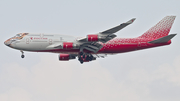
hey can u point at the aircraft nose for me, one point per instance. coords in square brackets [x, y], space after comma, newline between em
[7, 42]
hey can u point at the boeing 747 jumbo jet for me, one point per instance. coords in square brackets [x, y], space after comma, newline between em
[93, 45]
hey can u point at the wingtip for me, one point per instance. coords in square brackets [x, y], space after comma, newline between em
[132, 20]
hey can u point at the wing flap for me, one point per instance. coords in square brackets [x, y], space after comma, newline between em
[99, 55]
[90, 49]
[93, 47]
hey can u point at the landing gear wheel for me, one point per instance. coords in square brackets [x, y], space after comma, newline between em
[81, 62]
[80, 59]
[22, 56]
[90, 58]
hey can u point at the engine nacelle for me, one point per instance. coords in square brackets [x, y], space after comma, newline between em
[66, 57]
[69, 45]
[92, 37]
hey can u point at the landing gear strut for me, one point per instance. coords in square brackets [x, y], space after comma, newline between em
[80, 60]
[81, 55]
[22, 56]
[89, 57]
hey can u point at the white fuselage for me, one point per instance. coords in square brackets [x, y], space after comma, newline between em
[38, 42]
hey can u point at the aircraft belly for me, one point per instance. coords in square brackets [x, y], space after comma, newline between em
[32, 46]
[119, 48]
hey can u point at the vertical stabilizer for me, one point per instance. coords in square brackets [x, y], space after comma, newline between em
[161, 29]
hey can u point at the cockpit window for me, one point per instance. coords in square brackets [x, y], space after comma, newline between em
[19, 36]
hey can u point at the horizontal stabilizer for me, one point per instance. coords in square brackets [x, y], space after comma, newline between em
[163, 39]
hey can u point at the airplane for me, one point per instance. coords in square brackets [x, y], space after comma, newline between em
[93, 45]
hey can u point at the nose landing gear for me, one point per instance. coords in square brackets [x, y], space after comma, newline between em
[22, 56]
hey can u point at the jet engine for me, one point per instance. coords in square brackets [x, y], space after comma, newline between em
[69, 45]
[92, 37]
[66, 57]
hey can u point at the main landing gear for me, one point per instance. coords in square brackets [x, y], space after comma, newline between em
[22, 56]
[83, 57]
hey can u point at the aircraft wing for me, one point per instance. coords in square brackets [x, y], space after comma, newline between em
[92, 42]
[117, 28]
[107, 35]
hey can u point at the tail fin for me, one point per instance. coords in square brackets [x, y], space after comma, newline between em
[161, 29]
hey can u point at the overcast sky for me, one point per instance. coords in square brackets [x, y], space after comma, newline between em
[146, 75]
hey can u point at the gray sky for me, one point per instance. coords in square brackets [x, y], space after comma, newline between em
[151, 74]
